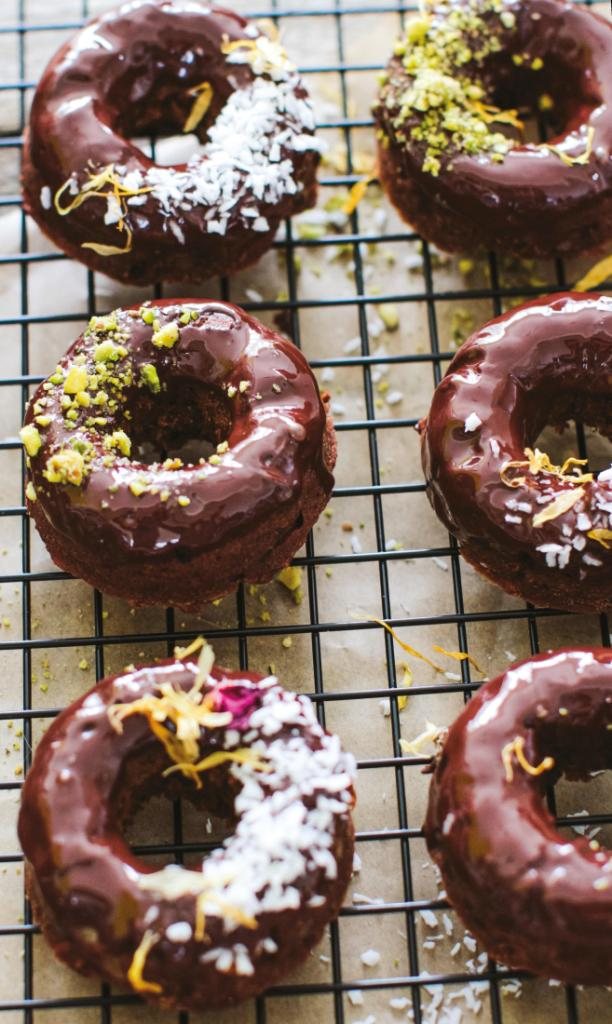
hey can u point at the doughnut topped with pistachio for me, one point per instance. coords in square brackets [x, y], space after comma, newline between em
[450, 124]
[177, 449]
[167, 66]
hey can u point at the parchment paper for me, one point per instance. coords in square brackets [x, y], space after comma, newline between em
[351, 650]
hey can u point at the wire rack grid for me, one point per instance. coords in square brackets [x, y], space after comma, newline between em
[473, 617]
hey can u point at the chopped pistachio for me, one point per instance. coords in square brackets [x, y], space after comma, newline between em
[164, 495]
[214, 460]
[119, 439]
[150, 377]
[287, 642]
[166, 336]
[147, 315]
[76, 380]
[83, 664]
[103, 324]
[185, 318]
[537, 64]
[243, 386]
[108, 352]
[222, 447]
[389, 315]
[183, 500]
[30, 439]
[30, 491]
[545, 102]
[231, 391]
[83, 399]
[290, 577]
[65, 467]
[138, 487]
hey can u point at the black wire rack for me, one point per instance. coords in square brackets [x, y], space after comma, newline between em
[309, 627]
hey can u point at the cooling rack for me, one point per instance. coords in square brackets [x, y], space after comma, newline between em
[379, 315]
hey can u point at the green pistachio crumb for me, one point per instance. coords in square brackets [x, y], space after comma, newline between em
[147, 315]
[231, 391]
[164, 495]
[244, 386]
[150, 377]
[437, 96]
[103, 324]
[166, 336]
[30, 491]
[138, 487]
[120, 440]
[108, 352]
[30, 439]
[214, 460]
[76, 380]
[222, 447]
[65, 467]
[183, 500]
[185, 318]
[389, 315]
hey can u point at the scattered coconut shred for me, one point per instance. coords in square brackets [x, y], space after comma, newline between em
[246, 164]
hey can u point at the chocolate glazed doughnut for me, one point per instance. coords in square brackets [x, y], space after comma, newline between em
[444, 99]
[538, 530]
[155, 66]
[112, 500]
[534, 899]
[249, 752]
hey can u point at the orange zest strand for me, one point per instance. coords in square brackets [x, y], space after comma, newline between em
[598, 274]
[357, 193]
[602, 536]
[191, 770]
[516, 748]
[459, 656]
[404, 646]
[134, 974]
[203, 94]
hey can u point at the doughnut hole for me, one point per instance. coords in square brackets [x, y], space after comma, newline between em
[155, 94]
[577, 737]
[186, 420]
[139, 819]
[552, 99]
[550, 428]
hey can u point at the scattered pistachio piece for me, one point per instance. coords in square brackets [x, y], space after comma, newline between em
[30, 439]
[166, 336]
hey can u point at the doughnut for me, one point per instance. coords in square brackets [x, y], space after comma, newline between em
[534, 899]
[161, 66]
[449, 91]
[111, 497]
[238, 746]
[536, 529]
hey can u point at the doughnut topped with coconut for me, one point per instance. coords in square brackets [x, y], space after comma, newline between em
[239, 746]
[160, 66]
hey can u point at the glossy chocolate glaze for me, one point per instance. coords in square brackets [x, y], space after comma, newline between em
[541, 363]
[248, 379]
[130, 73]
[535, 899]
[84, 879]
[533, 202]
